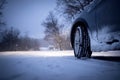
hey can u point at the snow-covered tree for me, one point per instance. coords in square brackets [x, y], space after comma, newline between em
[71, 8]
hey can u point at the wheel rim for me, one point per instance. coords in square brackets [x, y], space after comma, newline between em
[78, 41]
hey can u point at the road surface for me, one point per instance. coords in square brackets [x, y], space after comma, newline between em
[56, 65]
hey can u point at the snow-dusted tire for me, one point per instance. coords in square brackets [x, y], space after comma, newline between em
[81, 43]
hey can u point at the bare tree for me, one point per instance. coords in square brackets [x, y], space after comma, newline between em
[70, 8]
[53, 30]
[51, 25]
[2, 23]
[2, 3]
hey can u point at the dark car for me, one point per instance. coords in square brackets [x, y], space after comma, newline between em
[94, 17]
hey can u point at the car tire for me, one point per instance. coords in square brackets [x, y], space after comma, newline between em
[81, 43]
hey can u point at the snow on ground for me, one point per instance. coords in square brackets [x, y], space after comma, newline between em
[55, 65]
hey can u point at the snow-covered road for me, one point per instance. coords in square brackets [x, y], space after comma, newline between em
[55, 65]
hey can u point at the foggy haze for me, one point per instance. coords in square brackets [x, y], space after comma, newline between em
[27, 15]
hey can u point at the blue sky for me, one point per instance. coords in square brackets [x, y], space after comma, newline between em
[27, 15]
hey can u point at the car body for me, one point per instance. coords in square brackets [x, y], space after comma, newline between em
[97, 16]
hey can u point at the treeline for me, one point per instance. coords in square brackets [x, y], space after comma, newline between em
[10, 38]
[12, 41]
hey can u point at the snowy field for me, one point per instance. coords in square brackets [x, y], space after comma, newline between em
[57, 65]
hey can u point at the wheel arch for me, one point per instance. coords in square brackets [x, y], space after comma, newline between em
[77, 22]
